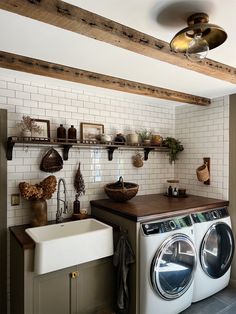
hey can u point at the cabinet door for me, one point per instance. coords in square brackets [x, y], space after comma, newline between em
[95, 291]
[55, 293]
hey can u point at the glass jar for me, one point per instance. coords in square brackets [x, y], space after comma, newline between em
[172, 187]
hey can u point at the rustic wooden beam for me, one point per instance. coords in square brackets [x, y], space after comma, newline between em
[62, 72]
[75, 19]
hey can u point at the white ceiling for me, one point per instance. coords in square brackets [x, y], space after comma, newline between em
[161, 19]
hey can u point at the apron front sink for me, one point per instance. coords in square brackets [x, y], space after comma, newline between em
[72, 243]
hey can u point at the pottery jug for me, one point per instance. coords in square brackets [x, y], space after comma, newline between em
[132, 138]
[157, 139]
[120, 139]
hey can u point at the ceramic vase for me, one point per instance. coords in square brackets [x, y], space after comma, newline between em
[39, 213]
[26, 134]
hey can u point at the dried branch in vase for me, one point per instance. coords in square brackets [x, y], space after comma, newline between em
[28, 123]
[79, 182]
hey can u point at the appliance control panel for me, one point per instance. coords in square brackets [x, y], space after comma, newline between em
[211, 215]
[166, 225]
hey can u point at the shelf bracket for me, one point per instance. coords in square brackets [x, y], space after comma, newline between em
[147, 150]
[66, 149]
[110, 151]
[10, 145]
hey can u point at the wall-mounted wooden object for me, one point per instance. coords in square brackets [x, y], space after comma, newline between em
[72, 18]
[207, 161]
[63, 72]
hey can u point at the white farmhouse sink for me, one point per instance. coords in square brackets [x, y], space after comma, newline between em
[71, 243]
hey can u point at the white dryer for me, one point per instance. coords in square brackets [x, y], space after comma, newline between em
[214, 243]
[167, 265]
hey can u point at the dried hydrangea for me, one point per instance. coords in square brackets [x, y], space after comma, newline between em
[43, 190]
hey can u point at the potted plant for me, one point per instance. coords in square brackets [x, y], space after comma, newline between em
[27, 125]
[174, 146]
[145, 136]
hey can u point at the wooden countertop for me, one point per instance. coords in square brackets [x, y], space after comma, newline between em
[22, 237]
[140, 209]
[156, 206]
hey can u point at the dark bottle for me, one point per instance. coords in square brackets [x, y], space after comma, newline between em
[61, 133]
[76, 205]
[72, 133]
[169, 191]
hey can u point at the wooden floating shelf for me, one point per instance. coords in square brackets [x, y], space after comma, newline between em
[67, 145]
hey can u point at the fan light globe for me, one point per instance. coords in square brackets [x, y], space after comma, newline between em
[198, 38]
[198, 48]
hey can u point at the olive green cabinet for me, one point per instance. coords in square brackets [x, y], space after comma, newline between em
[55, 292]
[83, 289]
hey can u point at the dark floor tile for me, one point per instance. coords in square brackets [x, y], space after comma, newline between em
[228, 295]
[230, 310]
[223, 302]
[207, 306]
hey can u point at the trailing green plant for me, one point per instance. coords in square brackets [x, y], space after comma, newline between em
[174, 146]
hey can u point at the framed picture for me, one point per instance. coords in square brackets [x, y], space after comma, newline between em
[45, 129]
[89, 132]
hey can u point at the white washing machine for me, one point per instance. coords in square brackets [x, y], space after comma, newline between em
[214, 243]
[167, 265]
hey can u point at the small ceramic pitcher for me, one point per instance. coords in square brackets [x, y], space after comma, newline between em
[157, 139]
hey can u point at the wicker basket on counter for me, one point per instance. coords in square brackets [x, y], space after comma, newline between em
[121, 191]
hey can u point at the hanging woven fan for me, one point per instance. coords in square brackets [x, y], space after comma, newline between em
[52, 161]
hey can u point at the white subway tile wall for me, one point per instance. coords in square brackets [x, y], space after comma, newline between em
[204, 132]
[70, 106]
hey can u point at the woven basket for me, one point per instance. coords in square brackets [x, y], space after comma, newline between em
[52, 161]
[121, 194]
[203, 173]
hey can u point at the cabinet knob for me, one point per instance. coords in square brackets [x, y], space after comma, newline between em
[74, 274]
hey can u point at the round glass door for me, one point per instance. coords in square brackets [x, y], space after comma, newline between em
[217, 249]
[173, 267]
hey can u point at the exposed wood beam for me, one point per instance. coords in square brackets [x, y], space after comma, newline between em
[62, 72]
[72, 18]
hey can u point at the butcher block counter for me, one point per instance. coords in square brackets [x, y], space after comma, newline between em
[139, 209]
[156, 206]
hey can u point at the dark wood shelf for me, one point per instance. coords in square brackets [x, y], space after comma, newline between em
[68, 144]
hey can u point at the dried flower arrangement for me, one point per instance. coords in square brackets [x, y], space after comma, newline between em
[144, 134]
[79, 183]
[29, 124]
[43, 190]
